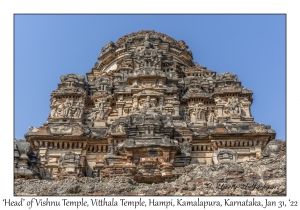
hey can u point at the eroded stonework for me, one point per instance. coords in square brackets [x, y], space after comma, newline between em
[145, 112]
[226, 156]
[26, 161]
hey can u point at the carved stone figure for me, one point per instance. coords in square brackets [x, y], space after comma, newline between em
[90, 116]
[53, 102]
[233, 106]
[211, 119]
[200, 111]
[53, 112]
[78, 108]
[61, 110]
[68, 108]
[120, 129]
[169, 121]
[152, 103]
[147, 103]
[101, 112]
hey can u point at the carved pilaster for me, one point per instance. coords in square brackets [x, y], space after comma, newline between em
[84, 145]
[220, 109]
[42, 153]
[120, 106]
[176, 107]
[250, 143]
[111, 146]
[60, 144]
[36, 144]
[246, 108]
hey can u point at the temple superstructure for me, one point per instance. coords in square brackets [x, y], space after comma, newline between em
[145, 111]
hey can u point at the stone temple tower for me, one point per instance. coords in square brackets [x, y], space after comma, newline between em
[146, 110]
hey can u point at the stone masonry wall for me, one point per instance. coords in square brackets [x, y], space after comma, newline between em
[265, 177]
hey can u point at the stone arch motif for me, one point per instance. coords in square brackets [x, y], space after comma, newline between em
[222, 156]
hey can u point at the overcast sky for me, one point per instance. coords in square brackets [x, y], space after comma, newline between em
[48, 46]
